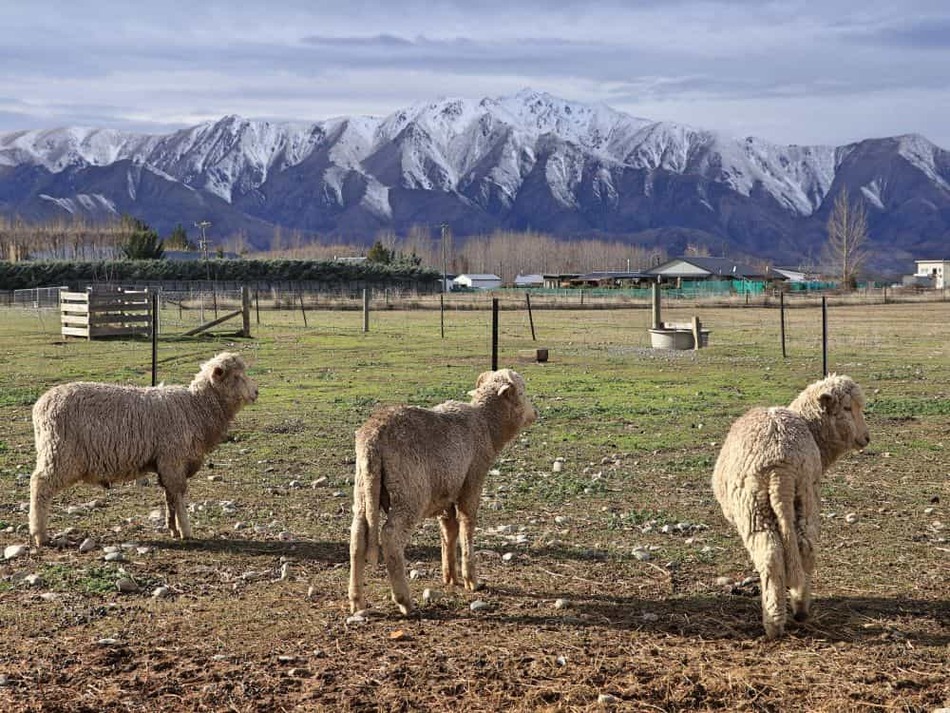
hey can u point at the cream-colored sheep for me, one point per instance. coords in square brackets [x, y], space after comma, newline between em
[105, 433]
[416, 463]
[767, 480]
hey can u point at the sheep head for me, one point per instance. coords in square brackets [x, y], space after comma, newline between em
[836, 403]
[508, 385]
[227, 373]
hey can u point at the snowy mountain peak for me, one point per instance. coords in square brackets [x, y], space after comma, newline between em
[526, 160]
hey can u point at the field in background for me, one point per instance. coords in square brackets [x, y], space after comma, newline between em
[256, 619]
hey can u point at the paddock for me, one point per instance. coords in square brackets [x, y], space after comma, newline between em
[611, 579]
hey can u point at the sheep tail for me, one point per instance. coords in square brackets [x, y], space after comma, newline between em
[369, 484]
[783, 506]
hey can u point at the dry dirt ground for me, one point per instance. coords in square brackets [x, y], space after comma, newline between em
[256, 621]
[255, 615]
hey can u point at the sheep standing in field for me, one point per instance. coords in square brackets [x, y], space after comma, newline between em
[767, 479]
[416, 463]
[104, 433]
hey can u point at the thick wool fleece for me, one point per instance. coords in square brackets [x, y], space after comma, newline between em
[105, 433]
[416, 463]
[767, 481]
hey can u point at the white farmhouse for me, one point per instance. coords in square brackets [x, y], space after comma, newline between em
[486, 281]
[937, 270]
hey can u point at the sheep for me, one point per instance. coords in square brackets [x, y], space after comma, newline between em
[414, 463]
[106, 433]
[767, 479]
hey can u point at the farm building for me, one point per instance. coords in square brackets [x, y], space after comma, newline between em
[708, 268]
[938, 271]
[478, 281]
[556, 281]
[611, 279]
[529, 281]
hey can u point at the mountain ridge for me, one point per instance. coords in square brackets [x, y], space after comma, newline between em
[525, 161]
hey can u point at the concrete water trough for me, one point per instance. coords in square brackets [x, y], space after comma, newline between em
[677, 336]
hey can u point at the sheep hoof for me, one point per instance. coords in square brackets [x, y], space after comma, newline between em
[800, 616]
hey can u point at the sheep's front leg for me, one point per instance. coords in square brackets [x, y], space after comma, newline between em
[449, 528]
[359, 532]
[467, 517]
[41, 496]
[394, 538]
[176, 510]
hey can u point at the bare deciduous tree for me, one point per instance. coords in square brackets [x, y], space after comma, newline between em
[847, 235]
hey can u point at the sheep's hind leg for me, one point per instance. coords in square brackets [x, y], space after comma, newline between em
[449, 528]
[394, 537]
[768, 556]
[807, 539]
[359, 531]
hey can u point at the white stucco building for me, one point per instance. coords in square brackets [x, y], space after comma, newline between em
[936, 270]
[484, 281]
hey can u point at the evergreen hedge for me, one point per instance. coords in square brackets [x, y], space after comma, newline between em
[75, 275]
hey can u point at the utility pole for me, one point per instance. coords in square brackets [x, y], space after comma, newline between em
[203, 244]
[203, 241]
[444, 227]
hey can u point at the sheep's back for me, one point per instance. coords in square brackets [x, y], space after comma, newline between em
[759, 443]
[106, 430]
[426, 454]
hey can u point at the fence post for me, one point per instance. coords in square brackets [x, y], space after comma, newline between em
[781, 311]
[245, 311]
[527, 298]
[494, 333]
[824, 336]
[302, 310]
[365, 310]
[153, 308]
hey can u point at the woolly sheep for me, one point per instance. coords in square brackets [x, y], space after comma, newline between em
[105, 433]
[415, 463]
[767, 478]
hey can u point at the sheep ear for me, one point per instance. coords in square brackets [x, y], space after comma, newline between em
[828, 402]
[482, 378]
[217, 373]
[504, 388]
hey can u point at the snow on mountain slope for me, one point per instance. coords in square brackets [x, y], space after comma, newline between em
[483, 150]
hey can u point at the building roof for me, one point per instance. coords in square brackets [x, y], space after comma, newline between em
[708, 267]
[479, 276]
[611, 275]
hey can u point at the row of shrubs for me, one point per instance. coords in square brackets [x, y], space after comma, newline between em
[74, 274]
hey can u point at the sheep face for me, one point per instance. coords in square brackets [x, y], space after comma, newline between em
[844, 412]
[507, 384]
[228, 373]
[836, 405]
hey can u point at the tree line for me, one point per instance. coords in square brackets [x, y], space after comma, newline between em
[504, 253]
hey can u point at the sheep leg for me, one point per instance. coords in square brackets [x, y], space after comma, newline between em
[768, 556]
[467, 521]
[394, 538]
[449, 529]
[41, 497]
[359, 532]
[171, 510]
[176, 512]
[807, 531]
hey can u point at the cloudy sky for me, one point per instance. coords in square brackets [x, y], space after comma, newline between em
[791, 71]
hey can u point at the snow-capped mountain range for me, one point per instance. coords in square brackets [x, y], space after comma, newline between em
[528, 161]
